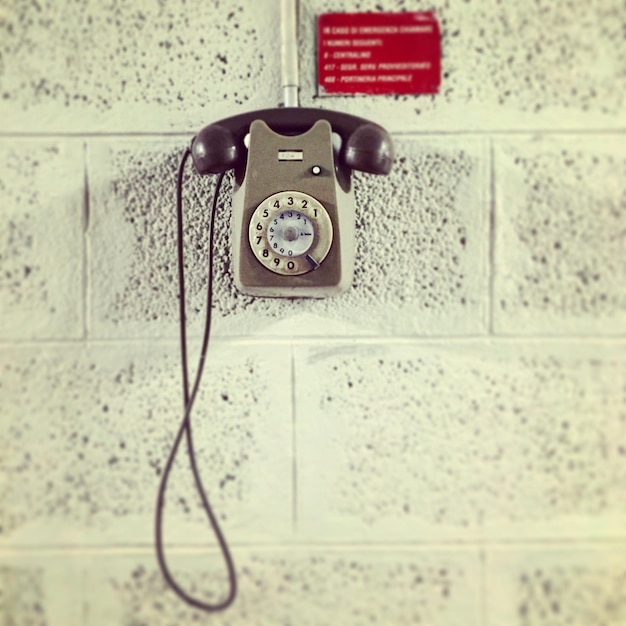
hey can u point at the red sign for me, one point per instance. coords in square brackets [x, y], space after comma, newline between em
[378, 53]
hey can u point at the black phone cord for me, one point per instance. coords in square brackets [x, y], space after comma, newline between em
[189, 399]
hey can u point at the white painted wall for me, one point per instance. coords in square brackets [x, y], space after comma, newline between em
[443, 445]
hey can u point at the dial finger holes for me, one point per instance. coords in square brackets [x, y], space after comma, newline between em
[287, 230]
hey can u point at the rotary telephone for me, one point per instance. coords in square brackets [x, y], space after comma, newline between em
[293, 204]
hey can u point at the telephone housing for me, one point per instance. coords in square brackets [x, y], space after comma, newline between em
[292, 150]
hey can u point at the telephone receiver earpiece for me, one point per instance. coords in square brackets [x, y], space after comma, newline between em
[366, 146]
[368, 149]
[215, 149]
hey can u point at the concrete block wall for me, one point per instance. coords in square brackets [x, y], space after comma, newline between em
[443, 445]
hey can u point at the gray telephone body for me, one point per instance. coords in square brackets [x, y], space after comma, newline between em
[293, 224]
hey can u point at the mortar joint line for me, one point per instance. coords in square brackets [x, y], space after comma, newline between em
[294, 443]
[86, 221]
[492, 239]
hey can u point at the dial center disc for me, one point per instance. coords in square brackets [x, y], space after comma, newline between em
[290, 233]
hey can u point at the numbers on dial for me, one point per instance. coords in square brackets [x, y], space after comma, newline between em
[290, 233]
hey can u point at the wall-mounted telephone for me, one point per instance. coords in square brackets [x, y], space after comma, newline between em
[292, 228]
[293, 235]
[293, 204]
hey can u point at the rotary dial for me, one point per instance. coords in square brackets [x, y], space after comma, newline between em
[290, 233]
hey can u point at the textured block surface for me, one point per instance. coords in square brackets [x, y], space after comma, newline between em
[22, 599]
[41, 590]
[86, 433]
[301, 587]
[504, 65]
[442, 445]
[560, 254]
[41, 239]
[157, 67]
[165, 66]
[577, 586]
[421, 259]
[132, 237]
[419, 441]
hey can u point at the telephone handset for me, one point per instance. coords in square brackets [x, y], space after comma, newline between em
[293, 205]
